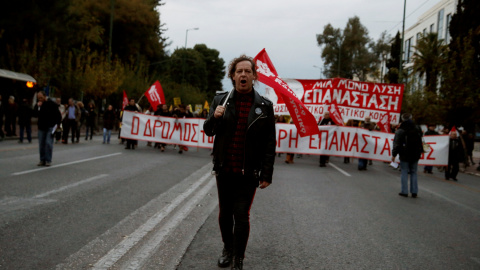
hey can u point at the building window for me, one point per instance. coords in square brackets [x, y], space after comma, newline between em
[440, 24]
[419, 36]
[424, 31]
[431, 28]
[447, 29]
[408, 50]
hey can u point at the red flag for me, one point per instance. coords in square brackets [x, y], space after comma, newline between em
[125, 100]
[384, 123]
[303, 119]
[336, 115]
[155, 95]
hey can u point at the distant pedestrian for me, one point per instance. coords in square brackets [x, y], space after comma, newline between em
[48, 116]
[430, 131]
[25, 113]
[71, 121]
[91, 116]
[408, 144]
[470, 145]
[133, 108]
[456, 154]
[162, 111]
[83, 119]
[182, 112]
[11, 117]
[363, 162]
[108, 122]
[63, 113]
[325, 121]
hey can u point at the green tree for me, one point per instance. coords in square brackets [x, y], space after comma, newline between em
[350, 52]
[461, 76]
[429, 57]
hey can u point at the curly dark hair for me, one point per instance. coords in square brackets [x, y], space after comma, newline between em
[233, 66]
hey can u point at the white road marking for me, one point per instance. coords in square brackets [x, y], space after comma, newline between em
[338, 169]
[124, 246]
[69, 186]
[146, 251]
[452, 201]
[65, 164]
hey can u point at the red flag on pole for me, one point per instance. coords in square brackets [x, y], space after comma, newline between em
[303, 119]
[155, 95]
[384, 123]
[336, 115]
[125, 100]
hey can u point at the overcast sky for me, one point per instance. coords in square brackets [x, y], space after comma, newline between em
[286, 29]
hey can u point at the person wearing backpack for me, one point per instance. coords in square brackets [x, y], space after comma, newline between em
[408, 144]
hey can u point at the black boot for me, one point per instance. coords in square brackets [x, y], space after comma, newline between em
[226, 259]
[237, 264]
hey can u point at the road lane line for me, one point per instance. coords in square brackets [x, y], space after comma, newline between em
[476, 211]
[46, 194]
[338, 169]
[146, 251]
[124, 246]
[65, 164]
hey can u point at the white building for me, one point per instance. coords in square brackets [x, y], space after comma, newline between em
[437, 19]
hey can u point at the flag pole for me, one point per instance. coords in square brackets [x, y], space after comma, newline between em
[228, 96]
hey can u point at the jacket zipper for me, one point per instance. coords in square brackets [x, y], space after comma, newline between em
[244, 146]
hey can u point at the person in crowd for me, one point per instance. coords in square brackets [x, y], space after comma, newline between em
[162, 111]
[469, 139]
[326, 120]
[108, 122]
[71, 120]
[25, 113]
[91, 116]
[408, 144]
[456, 154]
[48, 117]
[63, 113]
[244, 154]
[11, 117]
[182, 112]
[133, 108]
[2, 114]
[83, 118]
[204, 114]
[430, 131]
[362, 162]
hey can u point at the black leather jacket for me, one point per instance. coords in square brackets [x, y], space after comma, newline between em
[260, 141]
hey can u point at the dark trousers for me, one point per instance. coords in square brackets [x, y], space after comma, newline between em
[235, 197]
[71, 124]
[362, 163]
[323, 160]
[27, 128]
[452, 170]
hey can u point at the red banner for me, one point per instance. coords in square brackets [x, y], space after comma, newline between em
[155, 95]
[302, 118]
[125, 100]
[384, 123]
[336, 115]
[354, 99]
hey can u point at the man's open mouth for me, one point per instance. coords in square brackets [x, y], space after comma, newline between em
[243, 81]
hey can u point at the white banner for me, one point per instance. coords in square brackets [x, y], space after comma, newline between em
[332, 141]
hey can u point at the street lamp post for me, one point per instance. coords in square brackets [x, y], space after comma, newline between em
[185, 56]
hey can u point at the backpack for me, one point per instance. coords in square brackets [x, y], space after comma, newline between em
[413, 144]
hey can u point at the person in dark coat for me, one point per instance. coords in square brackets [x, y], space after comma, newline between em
[162, 111]
[91, 115]
[48, 118]
[25, 113]
[133, 108]
[456, 154]
[325, 121]
[11, 117]
[108, 122]
[243, 124]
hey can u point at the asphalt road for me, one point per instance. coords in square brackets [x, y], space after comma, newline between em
[103, 207]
